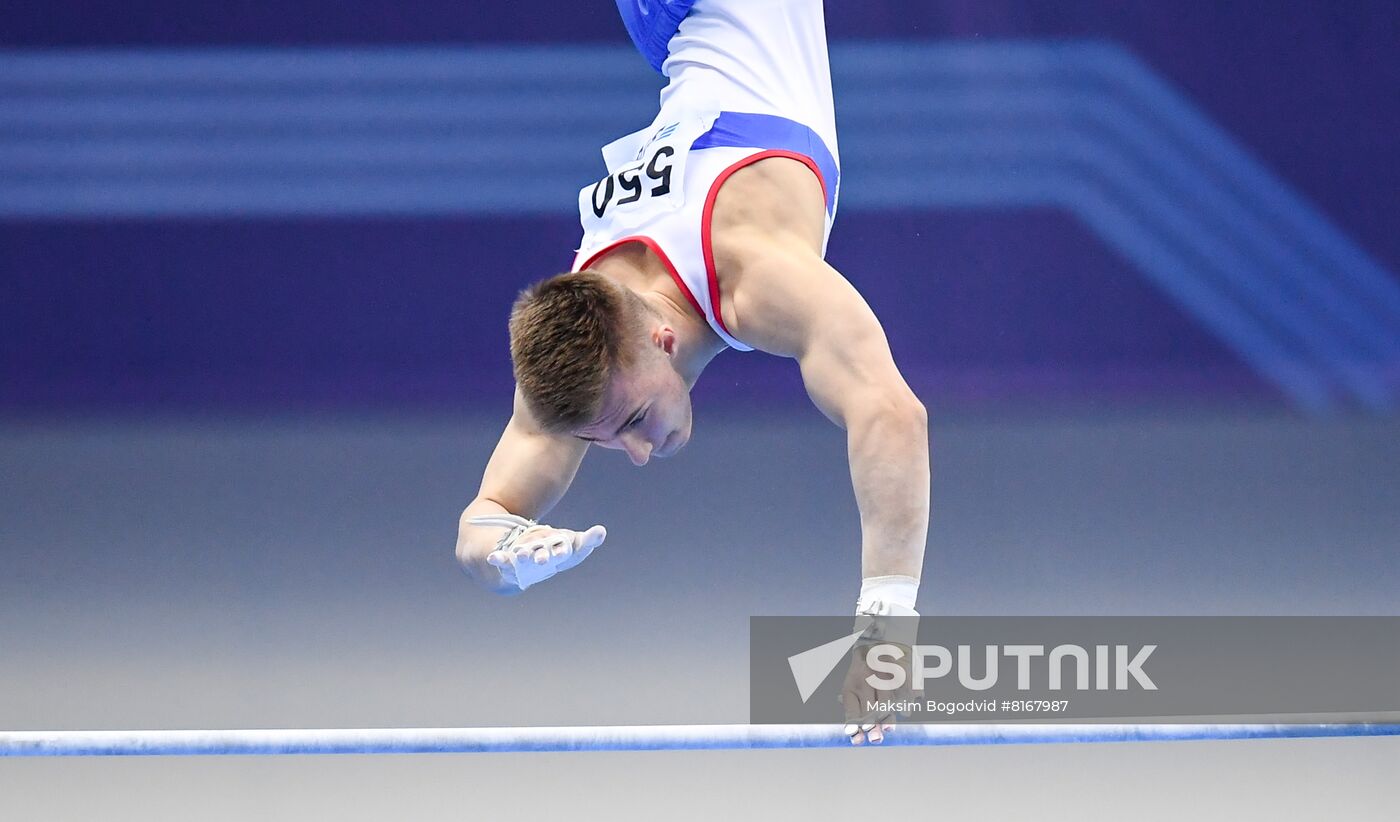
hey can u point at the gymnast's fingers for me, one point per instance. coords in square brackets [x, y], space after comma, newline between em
[853, 726]
[874, 732]
[525, 550]
[586, 541]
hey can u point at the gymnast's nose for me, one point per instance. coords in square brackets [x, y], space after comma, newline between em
[638, 449]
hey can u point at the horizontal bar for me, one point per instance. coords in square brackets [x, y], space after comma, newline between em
[621, 738]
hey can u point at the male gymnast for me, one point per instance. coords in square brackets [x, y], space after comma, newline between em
[708, 233]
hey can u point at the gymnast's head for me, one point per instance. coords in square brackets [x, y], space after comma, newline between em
[593, 360]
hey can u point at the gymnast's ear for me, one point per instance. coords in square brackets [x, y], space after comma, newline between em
[664, 337]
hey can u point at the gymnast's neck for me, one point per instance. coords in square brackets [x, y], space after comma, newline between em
[634, 266]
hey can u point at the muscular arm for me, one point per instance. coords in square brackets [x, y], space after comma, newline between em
[794, 304]
[527, 475]
[767, 237]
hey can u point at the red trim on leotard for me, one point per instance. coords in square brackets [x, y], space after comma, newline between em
[707, 215]
[655, 249]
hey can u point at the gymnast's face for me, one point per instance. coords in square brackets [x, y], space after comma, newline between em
[646, 407]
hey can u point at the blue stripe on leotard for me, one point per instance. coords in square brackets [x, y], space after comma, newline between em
[768, 131]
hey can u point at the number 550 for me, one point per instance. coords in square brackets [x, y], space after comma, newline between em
[658, 169]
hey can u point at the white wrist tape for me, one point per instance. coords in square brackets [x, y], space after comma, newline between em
[894, 590]
[885, 597]
[517, 525]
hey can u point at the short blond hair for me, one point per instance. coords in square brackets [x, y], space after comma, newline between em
[568, 335]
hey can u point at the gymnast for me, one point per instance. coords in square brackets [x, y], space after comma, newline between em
[708, 232]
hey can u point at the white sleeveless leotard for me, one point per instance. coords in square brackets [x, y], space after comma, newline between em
[749, 79]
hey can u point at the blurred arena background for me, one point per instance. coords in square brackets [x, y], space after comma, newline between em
[1139, 260]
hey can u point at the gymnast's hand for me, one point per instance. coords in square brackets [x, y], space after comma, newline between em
[889, 628]
[535, 553]
[867, 720]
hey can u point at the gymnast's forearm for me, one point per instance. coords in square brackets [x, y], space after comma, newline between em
[528, 473]
[887, 441]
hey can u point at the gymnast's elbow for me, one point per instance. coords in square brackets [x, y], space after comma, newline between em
[896, 411]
